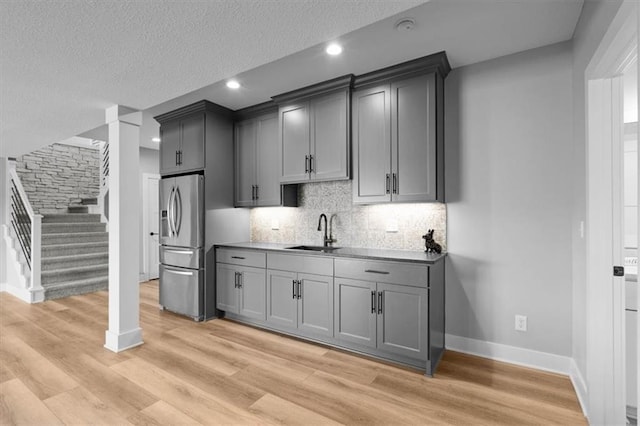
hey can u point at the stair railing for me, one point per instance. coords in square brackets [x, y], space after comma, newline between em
[27, 226]
[103, 196]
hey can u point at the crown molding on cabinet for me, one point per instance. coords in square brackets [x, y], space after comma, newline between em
[339, 83]
[255, 111]
[436, 62]
[188, 110]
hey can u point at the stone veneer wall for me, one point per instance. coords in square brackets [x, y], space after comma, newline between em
[354, 225]
[57, 175]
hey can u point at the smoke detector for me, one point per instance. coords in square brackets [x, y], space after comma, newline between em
[405, 25]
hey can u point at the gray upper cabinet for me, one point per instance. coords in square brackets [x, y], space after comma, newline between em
[398, 134]
[257, 178]
[245, 170]
[372, 145]
[295, 140]
[182, 145]
[314, 132]
[413, 139]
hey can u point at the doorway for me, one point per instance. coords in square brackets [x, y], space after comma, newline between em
[609, 374]
[151, 229]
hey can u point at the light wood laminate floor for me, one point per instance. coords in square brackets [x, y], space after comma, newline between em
[54, 370]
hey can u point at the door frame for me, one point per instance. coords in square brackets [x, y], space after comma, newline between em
[605, 352]
[144, 274]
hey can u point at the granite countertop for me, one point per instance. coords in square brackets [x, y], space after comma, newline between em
[353, 252]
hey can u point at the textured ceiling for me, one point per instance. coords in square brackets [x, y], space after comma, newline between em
[63, 62]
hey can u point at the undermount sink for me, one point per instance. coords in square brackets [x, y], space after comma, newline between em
[313, 248]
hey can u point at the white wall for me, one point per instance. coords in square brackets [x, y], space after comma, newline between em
[149, 163]
[3, 220]
[508, 186]
[594, 21]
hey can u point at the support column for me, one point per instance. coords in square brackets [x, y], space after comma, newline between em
[124, 213]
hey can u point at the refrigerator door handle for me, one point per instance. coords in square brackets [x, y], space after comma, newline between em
[177, 213]
[178, 272]
[170, 211]
[179, 251]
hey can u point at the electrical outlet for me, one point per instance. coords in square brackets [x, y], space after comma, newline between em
[392, 225]
[275, 224]
[521, 323]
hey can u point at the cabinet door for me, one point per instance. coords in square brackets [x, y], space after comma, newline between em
[294, 143]
[245, 159]
[252, 293]
[403, 324]
[355, 314]
[371, 145]
[226, 292]
[330, 137]
[315, 306]
[268, 178]
[282, 306]
[413, 139]
[169, 146]
[192, 143]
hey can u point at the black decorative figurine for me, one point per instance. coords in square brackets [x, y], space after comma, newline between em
[430, 244]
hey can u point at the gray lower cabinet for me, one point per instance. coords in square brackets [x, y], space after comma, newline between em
[389, 317]
[241, 290]
[299, 301]
[389, 309]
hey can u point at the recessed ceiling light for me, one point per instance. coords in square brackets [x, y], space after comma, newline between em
[156, 140]
[334, 49]
[232, 84]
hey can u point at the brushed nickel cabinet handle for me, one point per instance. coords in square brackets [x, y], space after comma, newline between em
[306, 164]
[379, 302]
[387, 183]
[395, 183]
[293, 287]
[373, 302]
[373, 271]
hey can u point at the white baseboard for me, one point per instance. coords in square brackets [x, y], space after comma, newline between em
[23, 294]
[580, 386]
[118, 342]
[510, 354]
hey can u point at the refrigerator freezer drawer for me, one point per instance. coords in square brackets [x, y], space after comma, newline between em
[181, 290]
[182, 257]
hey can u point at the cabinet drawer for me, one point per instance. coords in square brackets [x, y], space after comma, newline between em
[242, 257]
[307, 264]
[387, 272]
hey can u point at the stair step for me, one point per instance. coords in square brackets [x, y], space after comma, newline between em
[74, 274]
[71, 218]
[74, 261]
[75, 287]
[73, 228]
[78, 209]
[52, 250]
[82, 237]
[92, 201]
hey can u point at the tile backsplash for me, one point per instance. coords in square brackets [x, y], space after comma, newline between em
[353, 225]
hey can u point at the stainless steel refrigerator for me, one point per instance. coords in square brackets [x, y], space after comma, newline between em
[182, 260]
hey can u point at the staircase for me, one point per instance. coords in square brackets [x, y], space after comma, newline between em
[75, 253]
